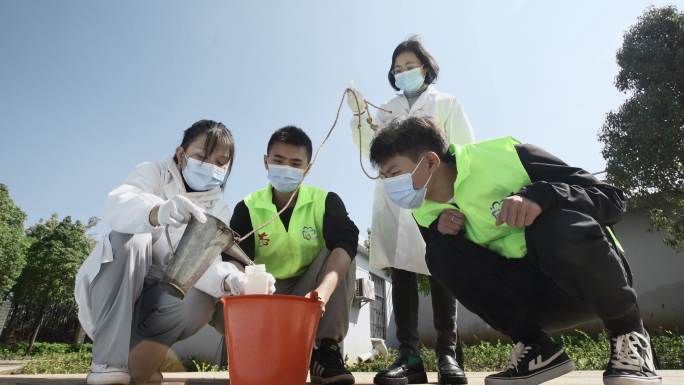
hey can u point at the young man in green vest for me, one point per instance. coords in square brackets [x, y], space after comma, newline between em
[522, 240]
[310, 247]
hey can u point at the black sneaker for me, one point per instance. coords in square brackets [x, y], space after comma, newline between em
[631, 361]
[532, 364]
[327, 365]
[406, 369]
[449, 371]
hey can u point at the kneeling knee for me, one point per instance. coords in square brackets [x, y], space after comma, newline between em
[563, 224]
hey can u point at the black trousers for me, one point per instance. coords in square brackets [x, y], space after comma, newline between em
[405, 299]
[572, 273]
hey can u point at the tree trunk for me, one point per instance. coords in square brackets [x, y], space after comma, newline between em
[35, 332]
[79, 338]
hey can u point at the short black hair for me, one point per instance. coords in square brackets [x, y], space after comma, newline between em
[217, 133]
[410, 137]
[291, 135]
[413, 44]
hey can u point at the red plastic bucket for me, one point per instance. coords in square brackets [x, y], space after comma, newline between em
[270, 338]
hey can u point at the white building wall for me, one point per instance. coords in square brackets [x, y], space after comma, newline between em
[358, 337]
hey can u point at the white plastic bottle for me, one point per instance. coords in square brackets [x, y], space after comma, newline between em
[257, 279]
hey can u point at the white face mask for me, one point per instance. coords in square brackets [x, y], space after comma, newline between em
[203, 176]
[411, 80]
[284, 178]
[400, 190]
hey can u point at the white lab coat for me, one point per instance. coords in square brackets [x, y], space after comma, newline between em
[127, 211]
[395, 238]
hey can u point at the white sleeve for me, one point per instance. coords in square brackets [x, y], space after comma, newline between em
[211, 282]
[366, 134]
[127, 208]
[457, 125]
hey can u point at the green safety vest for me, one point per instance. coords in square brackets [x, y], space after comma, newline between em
[487, 172]
[288, 252]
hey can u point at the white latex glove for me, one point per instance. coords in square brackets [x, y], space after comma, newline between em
[178, 210]
[235, 282]
[271, 284]
[352, 96]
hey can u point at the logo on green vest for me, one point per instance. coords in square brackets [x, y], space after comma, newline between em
[308, 233]
[264, 240]
[496, 208]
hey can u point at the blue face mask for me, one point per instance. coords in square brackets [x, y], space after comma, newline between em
[400, 190]
[284, 178]
[410, 81]
[202, 176]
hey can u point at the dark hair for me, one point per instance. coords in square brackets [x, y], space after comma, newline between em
[291, 135]
[217, 134]
[413, 44]
[410, 137]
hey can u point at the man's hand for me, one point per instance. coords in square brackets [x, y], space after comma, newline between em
[517, 211]
[450, 222]
[322, 298]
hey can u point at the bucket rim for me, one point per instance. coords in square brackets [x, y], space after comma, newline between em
[287, 297]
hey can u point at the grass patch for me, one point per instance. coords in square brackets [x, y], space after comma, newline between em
[589, 353]
[19, 350]
[61, 363]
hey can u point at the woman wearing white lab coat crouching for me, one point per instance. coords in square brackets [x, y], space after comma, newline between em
[395, 239]
[121, 305]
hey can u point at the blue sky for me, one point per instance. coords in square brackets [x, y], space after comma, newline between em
[88, 89]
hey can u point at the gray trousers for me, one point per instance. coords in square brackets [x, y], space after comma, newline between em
[335, 321]
[128, 308]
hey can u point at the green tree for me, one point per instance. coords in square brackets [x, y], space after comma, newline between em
[57, 250]
[13, 243]
[644, 139]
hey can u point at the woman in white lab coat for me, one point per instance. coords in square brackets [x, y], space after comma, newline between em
[121, 304]
[396, 241]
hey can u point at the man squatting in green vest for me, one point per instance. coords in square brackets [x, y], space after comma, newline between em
[310, 247]
[523, 241]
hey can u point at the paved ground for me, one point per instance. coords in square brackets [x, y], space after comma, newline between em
[7, 367]
[670, 377]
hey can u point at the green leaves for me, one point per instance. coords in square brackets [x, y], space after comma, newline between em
[57, 250]
[644, 139]
[13, 242]
[652, 52]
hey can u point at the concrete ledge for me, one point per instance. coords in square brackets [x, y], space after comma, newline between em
[670, 377]
[9, 367]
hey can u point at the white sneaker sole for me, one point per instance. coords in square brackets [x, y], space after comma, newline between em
[108, 378]
[540, 377]
[631, 380]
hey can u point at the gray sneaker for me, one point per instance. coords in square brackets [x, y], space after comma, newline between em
[631, 361]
